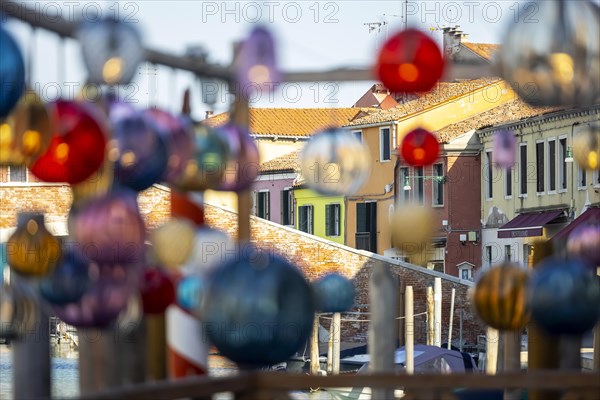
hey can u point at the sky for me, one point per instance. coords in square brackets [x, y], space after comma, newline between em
[310, 36]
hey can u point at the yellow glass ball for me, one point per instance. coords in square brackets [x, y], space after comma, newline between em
[173, 242]
[412, 229]
[25, 134]
[586, 148]
[31, 250]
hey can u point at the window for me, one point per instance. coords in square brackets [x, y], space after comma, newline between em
[488, 255]
[438, 186]
[523, 168]
[562, 164]
[404, 194]
[539, 159]
[332, 220]
[358, 135]
[287, 207]
[552, 165]
[436, 265]
[581, 178]
[305, 219]
[420, 185]
[17, 173]
[596, 178]
[489, 180]
[508, 182]
[464, 274]
[262, 205]
[526, 251]
[507, 253]
[384, 144]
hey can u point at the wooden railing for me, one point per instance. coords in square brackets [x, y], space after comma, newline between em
[560, 385]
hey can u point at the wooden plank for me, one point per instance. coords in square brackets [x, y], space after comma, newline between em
[410, 330]
[337, 341]
[596, 361]
[492, 340]
[382, 329]
[330, 348]
[400, 312]
[314, 348]
[430, 319]
[512, 359]
[437, 312]
[451, 317]
[156, 367]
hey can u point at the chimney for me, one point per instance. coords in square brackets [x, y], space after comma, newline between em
[451, 40]
[209, 114]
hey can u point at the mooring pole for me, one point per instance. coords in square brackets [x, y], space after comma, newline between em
[409, 344]
[314, 347]
[437, 313]
[337, 337]
[451, 318]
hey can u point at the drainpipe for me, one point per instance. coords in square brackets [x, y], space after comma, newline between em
[572, 205]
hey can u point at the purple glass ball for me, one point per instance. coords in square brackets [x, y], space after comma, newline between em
[584, 243]
[334, 293]
[564, 297]
[110, 289]
[70, 280]
[243, 166]
[109, 229]
[258, 308]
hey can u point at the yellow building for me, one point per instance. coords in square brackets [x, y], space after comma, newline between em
[544, 191]
[319, 215]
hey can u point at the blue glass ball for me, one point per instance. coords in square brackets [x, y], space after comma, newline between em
[69, 281]
[12, 73]
[334, 293]
[259, 309]
[565, 297]
[138, 151]
[190, 292]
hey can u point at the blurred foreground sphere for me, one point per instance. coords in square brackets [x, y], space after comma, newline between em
[12, 73]
[173, 242]
[420, 148]
[70, 280]
[205, 167]
[242, 167]
[19, 308]
[157, 291]
[112, 51]
[110, 228]
[584, 243]
[586, 148]
[25, 135]
[190, 293]
[409, 62]
[77, 148]
[504, 149]
[31, 250]
[335, 162]
[412, 228]
[259, 309]
[564, 297]
[500, 297]
[334, 293]
[211, 248]
[553, 59]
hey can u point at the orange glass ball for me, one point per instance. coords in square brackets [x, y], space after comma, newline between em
[25, 134]
[500, 297]
[410, 62]
[31, 250]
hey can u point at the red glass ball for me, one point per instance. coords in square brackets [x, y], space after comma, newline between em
[410, 62]
[420, 148]
[77, 148]
[157, 290]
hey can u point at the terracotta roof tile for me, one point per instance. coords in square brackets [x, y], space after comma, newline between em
[485, 50]
[291, 121]
[443, 92]
[286, 162]
[508, 112]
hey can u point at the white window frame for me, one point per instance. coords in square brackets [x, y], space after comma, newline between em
[508, 253]
[358, 134]
[580, 173]
[267, 215]
[547, 171]
[562, 164]
[434, 185]
[596, 178]
[381, 159]
[404, 195]
[523, 169]
[468, 270]
[9, 176]
[489, 175]
[418, 180]
[291, 206]
[543, 192]
[337, 219]
[311, 219]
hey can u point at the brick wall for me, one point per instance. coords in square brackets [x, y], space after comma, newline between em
[317, 257]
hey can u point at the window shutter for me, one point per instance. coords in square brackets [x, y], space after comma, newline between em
[268, 206]
[328, 220]
[337, 220]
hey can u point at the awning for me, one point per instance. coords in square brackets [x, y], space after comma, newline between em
[591, 215]
[527, 224]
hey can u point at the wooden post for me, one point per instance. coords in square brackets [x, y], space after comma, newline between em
[570, 352]
[96, 360]
[337, 337]
[430, 319]
[451, 318]
[314, 348]
[401, 313]
[409, 345]
[382, 329]
[512, 359]
[460, 331]
[31, 354]
[596, 362]
[437, 313]
[156, 367]
[330, 348]
[130, 344]
[491, 351]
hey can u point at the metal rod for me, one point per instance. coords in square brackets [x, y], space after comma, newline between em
[451, 318]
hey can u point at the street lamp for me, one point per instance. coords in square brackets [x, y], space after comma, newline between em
[438, 179]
